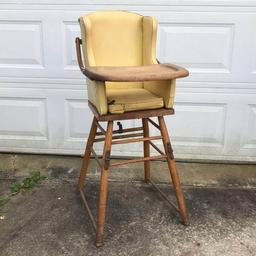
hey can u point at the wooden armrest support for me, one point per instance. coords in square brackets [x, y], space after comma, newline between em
[154, 72]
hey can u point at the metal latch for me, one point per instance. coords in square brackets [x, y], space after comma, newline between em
[120, 127]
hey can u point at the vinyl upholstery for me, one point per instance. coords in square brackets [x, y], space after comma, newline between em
[120, 38]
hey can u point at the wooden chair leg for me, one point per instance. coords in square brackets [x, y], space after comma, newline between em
[146, 147]
[173, 171]
[87, 154]
[104, 185]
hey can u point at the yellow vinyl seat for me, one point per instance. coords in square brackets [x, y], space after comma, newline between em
[131, 99]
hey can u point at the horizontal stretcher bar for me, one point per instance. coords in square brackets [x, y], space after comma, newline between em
[139, 159]
[137, 140]
[116, 137]
[135, 129]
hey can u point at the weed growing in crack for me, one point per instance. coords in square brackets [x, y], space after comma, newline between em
[27, 183]
[16, 187]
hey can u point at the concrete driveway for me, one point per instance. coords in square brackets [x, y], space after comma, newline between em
[50, 218]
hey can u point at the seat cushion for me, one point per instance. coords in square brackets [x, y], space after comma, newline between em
[124, 100]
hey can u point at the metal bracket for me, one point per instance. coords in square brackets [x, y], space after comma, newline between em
[120, 127]
[107, 160]
[169, 150]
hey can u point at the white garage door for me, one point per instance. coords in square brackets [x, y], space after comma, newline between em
[43, 96]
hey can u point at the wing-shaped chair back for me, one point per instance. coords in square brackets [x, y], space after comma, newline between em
[115, 40]
[118, 38]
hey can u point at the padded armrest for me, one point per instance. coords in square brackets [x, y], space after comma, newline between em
[155, 72]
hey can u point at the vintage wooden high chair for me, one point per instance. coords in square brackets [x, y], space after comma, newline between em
[125, 81]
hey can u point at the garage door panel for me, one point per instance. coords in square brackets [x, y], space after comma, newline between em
[16, 112]
[43, 97]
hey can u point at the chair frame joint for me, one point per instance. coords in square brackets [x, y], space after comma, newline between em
[169, 150]
[107, 160]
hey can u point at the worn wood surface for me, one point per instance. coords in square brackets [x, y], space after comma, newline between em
[131, 115]
[146, 149]
[87, 154]
[104, 185]
[154, 72]
[173, 172]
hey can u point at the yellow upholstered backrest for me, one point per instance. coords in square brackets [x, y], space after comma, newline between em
[116, 38]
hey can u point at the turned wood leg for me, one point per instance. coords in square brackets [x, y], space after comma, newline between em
[87, 154]
[173, 171]
[104, 185]
[146, 148]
